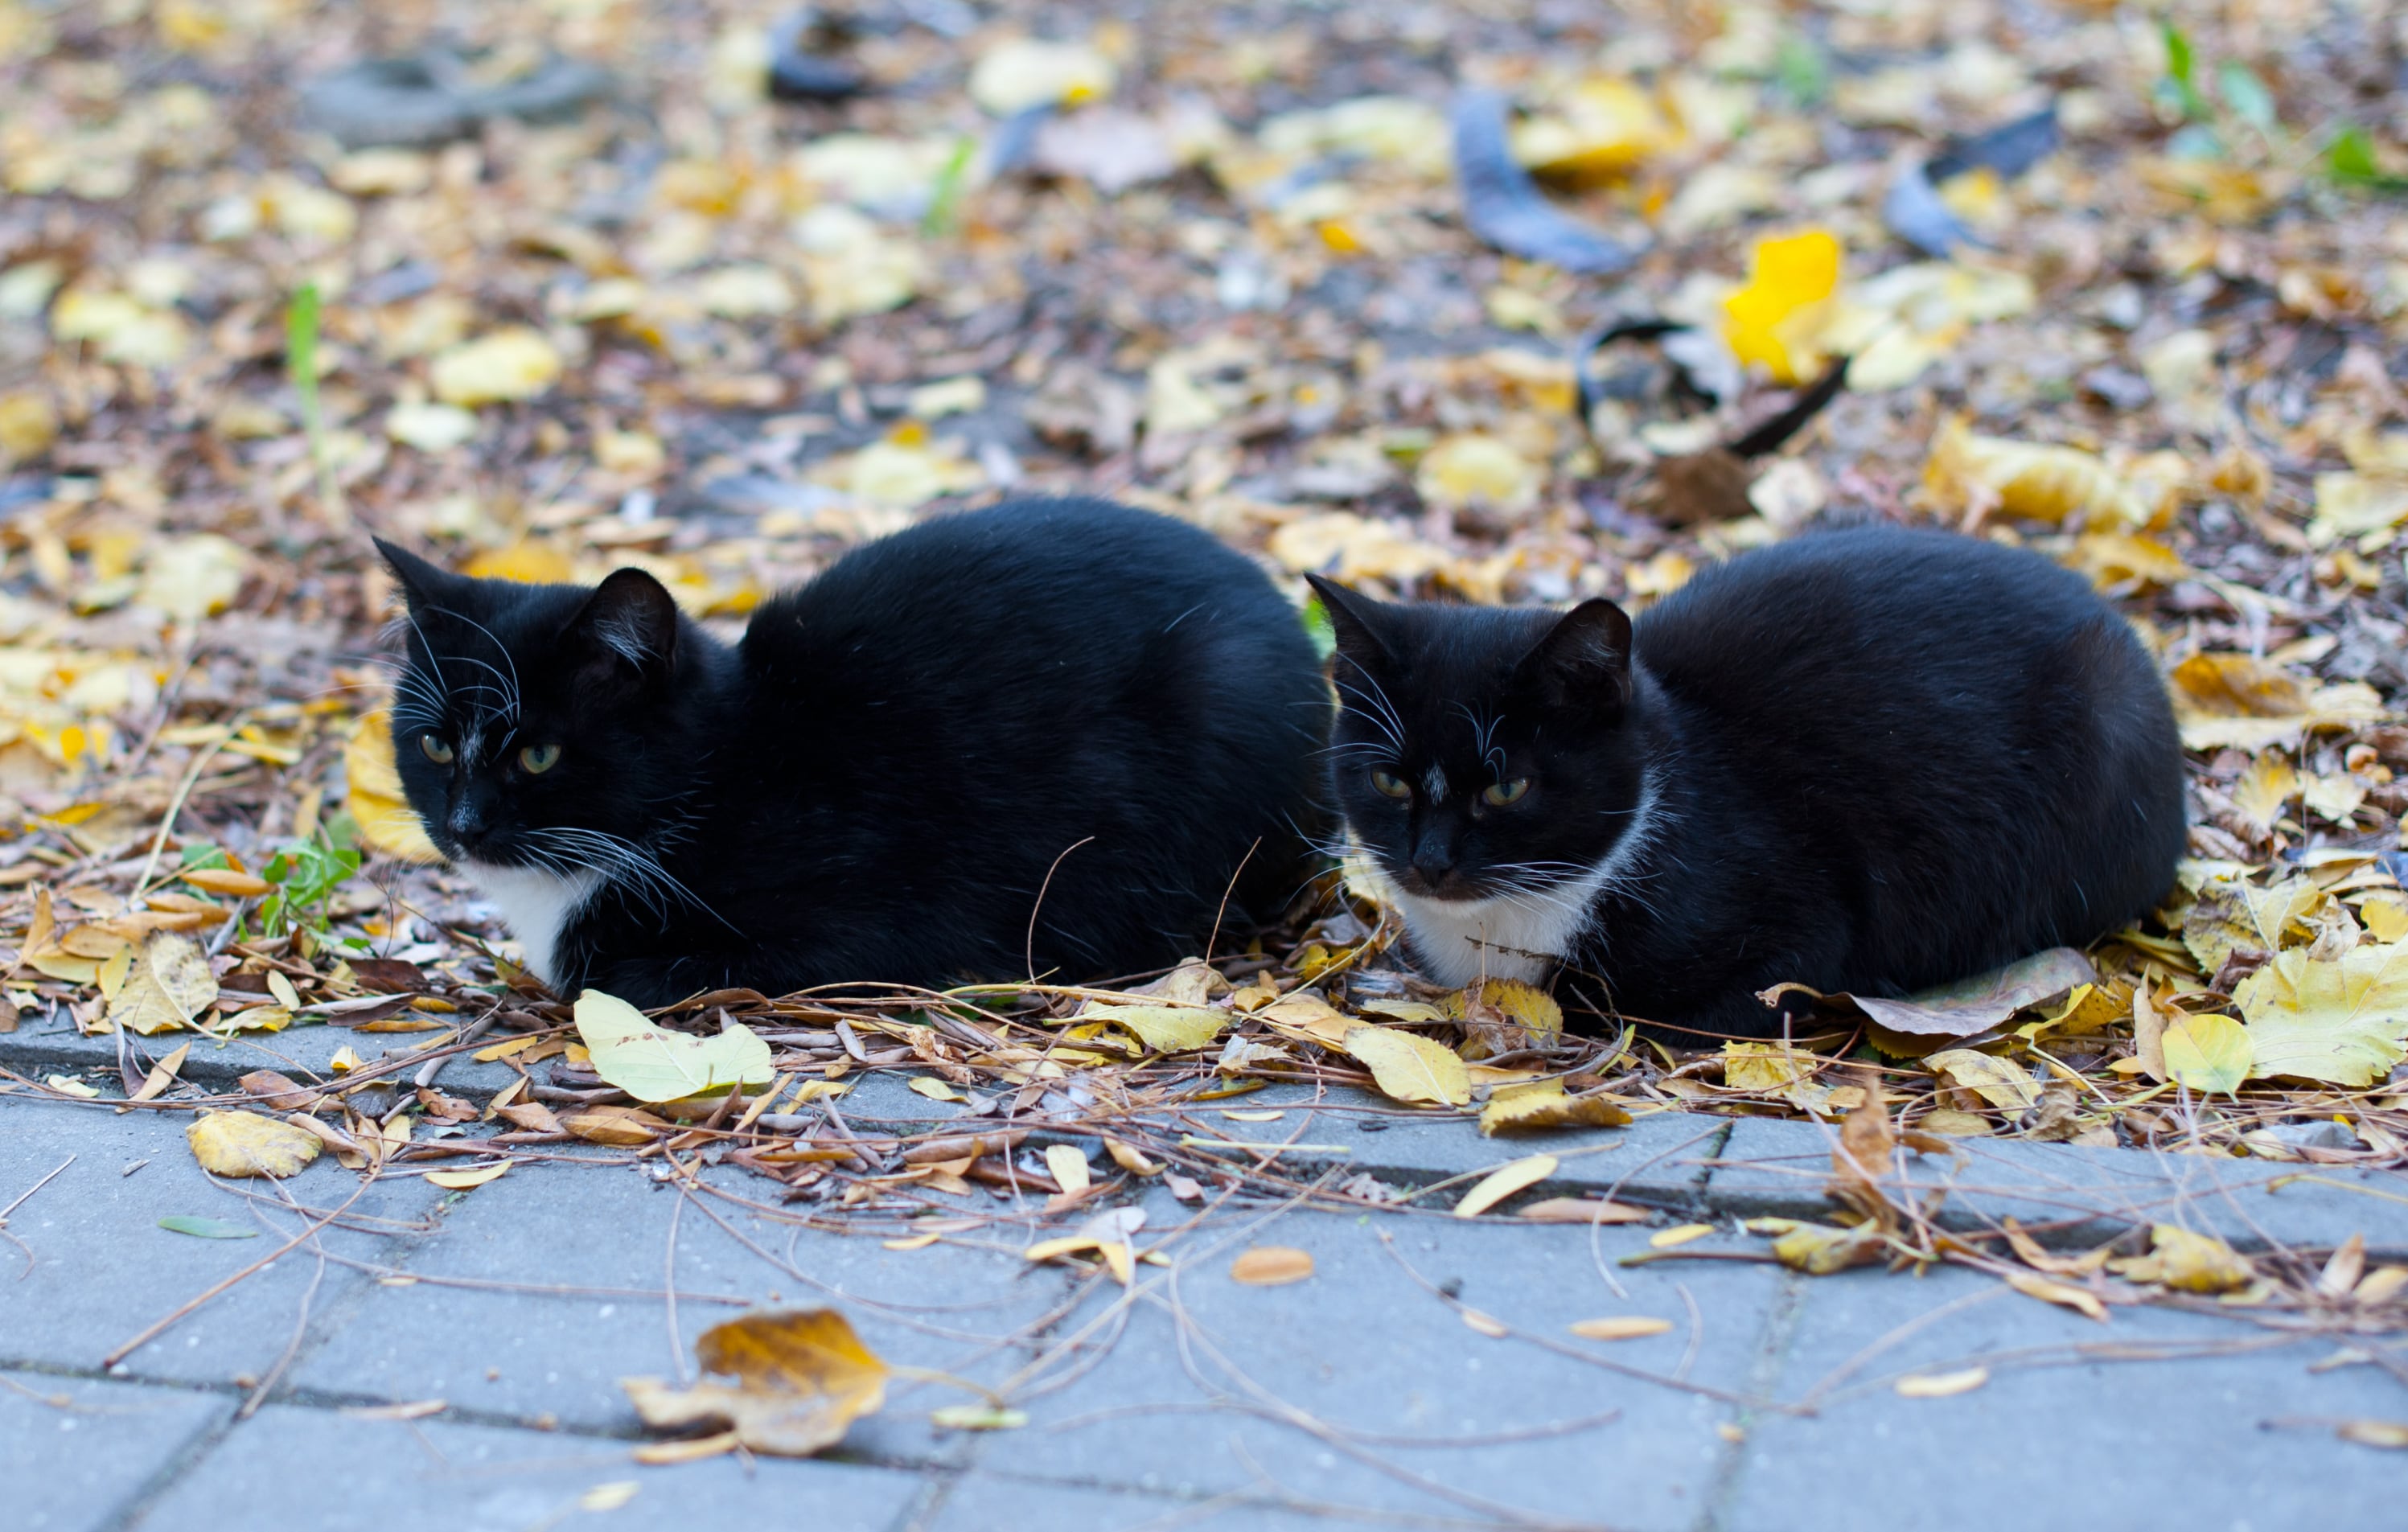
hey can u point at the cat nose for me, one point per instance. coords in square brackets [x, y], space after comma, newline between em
[1433, 858]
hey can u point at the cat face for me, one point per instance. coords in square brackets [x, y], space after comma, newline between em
[1482, 752]
[525, 725]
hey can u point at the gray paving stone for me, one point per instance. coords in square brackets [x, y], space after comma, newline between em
[2076, 1195]
[75, 1450]
[2095, 1442]
[983, 1501]
[40, 1048]
[1363, 1348]
[103, 1270]
[332, 1474]
[534, 1353]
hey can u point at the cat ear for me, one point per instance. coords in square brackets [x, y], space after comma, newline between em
[1583, 662]
[423, 584]
[628, 625]
[1355, 619]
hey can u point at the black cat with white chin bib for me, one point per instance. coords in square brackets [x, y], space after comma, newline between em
[1873, 760]
[1064, 698]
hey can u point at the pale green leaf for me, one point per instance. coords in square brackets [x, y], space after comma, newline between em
[1410, 1067]
[651, 1063]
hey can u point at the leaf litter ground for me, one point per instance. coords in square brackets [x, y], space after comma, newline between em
[2126, 290]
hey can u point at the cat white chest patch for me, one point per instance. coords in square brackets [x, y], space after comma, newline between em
[538, 905]
[1521, 934]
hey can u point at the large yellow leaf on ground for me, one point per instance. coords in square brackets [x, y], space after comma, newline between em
[2342, 1021]
[244, 1144]
[802, 1378]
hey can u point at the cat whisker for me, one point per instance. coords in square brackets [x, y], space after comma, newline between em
[512, 705]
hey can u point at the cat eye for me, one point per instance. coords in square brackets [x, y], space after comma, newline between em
[435, 749]
[1501, 793]
[540, 758]
[1391, 784]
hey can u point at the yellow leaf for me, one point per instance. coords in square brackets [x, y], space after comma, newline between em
[244, 1143]
[2386, 918]
[1410, 1067]
[1596, 131]
[1680, 1234]
[168, 985]
[2343, 1020]
[2247, 703]
[977, 1417]
[1941, 1385]
[1307, 1016]
[69, 1085]
[1271, 1266]
[1023, 71]
[526, 561]
[1545, 1103]
[622, 1126]
[2036, 483]
[225, 880]
[802, 1378]
[1164, 1029]
[1476, 470]
[1765, 1066]
[513, 363]
[191, 578]
[2191, 1263]
[1820, 1248]
[1487, 1324]
[2350, 504]
[935, 1089]
[162, 1075]
[651, 1063]
[2231, 914]
[1786, 277]
[1411, 1012]
[2207, 1052]
[2126, 561]
[375, 798]
[2047, 1290]
[1070, 1168]
[2270, 783]
[2001, 1082]
[461, 1181]
[1573, 1209]
[1620, 1327]
[610, 1496]
[2374, 1433]
[1355, 547]
[1503, 1182]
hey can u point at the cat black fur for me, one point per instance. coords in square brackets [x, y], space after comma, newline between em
[876, 783]
[1874, 760]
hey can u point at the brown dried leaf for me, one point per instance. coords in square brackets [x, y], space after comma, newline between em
[802, 1378]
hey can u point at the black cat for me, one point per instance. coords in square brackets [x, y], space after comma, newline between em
[1059, 697]
[1874, 760]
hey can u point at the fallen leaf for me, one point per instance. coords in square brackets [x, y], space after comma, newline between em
[1503, 1182]
[1983, 1001]
[1763, 321]
[1570, 1209]
[1941, 1385]
[610, 1496]
[2208, 1052]
[2049, 1291]
[977, 1417]
[206, 1229]
[1164, 1029]
[2035, 482]
[2374, 1433]
[461, 1181]
[2242, 702]
[374, 797]
[1020, 73]
[1545, 1103]
[2189, 1262]
[69, 1085]
[1680, 1234]
[506, 366]
[1068, 1168]
[1487, 1324]
[162, 1075]
[1620, 1327]
[802, 1378]
[168, 985]
[620, 1127]
[1409, 1066]
[1271, 1266]
[2343, 1020]
[651, 1063]
[1819, 1250]
[1999, 1081]
[244, 1144]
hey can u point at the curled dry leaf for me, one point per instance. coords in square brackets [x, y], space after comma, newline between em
[1545, 1103]
[1820, 1248]
[801, 1379]
[1409, 1066]
[1573, 1209]
[1941, 1385]
[1620, 1327]
[1164, 1029]
[1999, 1081]
[622, 1126]
[244, 1144]
[1503, 1182]
[461, 1180]
[1271, 1266]
[2049, 1290]
[2187, 1262]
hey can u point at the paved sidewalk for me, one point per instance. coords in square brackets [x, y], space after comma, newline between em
[1366, 1391]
